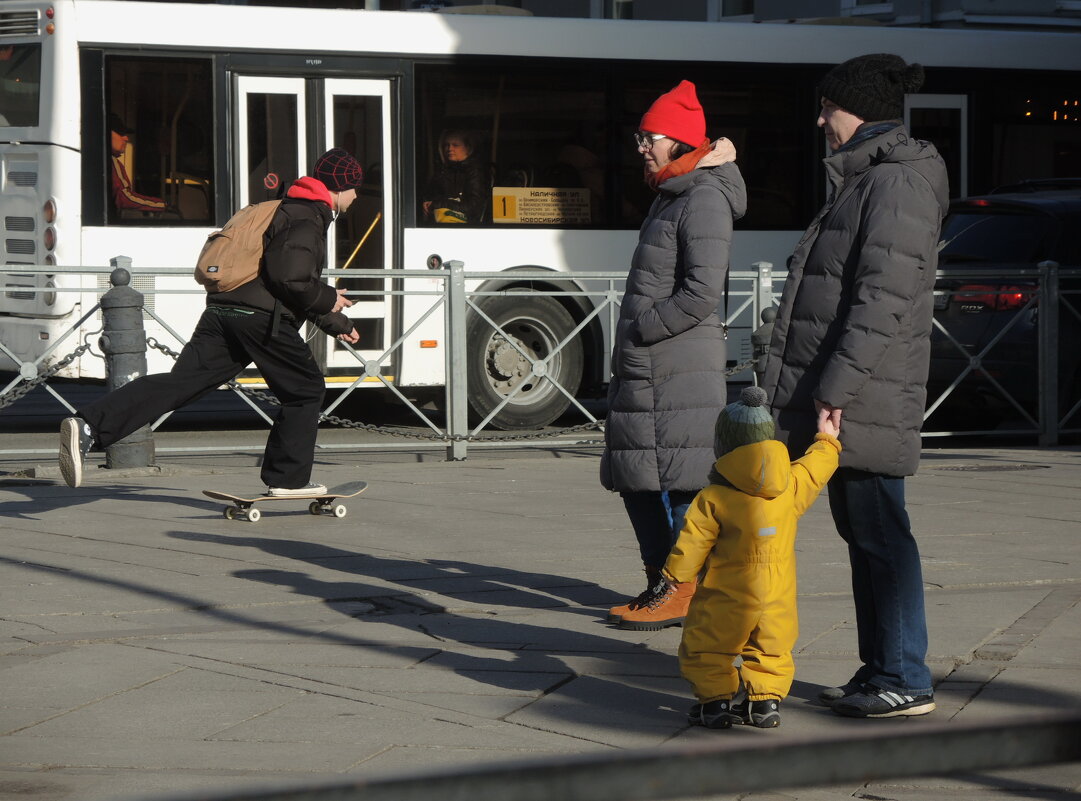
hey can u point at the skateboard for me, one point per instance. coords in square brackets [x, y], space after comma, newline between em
[318, 504]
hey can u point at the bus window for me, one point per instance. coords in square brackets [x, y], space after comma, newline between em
[535, 137]
[560, 140]
[273, 145]
[165, 152]
[359, 233]
[20, 84]
[763, 110]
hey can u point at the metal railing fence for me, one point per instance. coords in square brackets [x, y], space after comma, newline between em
[752, 292]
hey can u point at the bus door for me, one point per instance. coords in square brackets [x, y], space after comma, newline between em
[359, 119]
[270, 137]
[943, 121]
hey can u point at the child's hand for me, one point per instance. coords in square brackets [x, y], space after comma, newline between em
[829, 419]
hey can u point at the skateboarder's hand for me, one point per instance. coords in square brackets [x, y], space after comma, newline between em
[352, 337]
[342, 303]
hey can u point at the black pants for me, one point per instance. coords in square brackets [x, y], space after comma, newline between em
[226, 341]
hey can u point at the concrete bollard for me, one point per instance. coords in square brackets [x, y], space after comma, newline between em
[760, 338]
[123, 341]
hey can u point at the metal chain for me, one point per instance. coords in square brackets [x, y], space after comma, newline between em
[25, 388]
[739, 368]
[595, 425]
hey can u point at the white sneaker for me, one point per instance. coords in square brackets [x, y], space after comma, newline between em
[299, 492]
[75, 442]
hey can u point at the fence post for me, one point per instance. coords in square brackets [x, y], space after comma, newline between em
[1047, 352]
[456, 377]
[123, 341]
[766, 312]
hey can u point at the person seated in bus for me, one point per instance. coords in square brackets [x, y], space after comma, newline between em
[459, 190]
[258, 321]
[124, 195]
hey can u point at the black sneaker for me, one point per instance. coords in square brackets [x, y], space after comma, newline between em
[76, 439]
[874, 702]
[760, 714]
[713, 715]
[831, 695]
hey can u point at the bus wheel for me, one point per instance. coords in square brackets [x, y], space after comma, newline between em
[521, 360]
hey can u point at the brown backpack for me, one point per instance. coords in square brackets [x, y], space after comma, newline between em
[231, 257]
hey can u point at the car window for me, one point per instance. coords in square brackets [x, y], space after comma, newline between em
[994, 237]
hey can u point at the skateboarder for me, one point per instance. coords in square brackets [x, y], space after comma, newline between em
[257, 322]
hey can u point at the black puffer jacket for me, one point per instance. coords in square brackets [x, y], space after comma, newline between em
[854, 323]
[460, 186]
[294, 257]
[668, 360]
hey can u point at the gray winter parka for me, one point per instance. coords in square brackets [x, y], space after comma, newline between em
[668, 358]
[854, 323]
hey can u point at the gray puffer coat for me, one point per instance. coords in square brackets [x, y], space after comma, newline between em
[854, 323]
[668, 359]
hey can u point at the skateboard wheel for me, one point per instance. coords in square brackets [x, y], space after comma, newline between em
[340, 511]
[315, 508]
[229, 512]
[254, 515]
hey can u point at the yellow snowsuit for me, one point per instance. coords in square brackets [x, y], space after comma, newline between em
[745, 535]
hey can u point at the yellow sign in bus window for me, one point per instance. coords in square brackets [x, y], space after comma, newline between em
[540, 205]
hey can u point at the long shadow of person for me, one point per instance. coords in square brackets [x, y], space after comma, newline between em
[601, 681]
[461, 581]
[455, 606]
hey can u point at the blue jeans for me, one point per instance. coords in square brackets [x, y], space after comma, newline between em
[657, 519]
[887, 580]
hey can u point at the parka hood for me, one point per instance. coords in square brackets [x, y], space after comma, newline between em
[761, 469]
[308, 188]
[894, 146]
[726, 176]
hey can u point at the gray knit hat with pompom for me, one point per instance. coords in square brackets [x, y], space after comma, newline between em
[744, 422]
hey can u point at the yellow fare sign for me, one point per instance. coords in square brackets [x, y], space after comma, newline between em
[540, 205]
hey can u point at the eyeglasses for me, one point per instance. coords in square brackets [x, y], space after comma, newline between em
[646, 140]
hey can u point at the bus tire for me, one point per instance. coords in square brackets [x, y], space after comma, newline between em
[495, 368]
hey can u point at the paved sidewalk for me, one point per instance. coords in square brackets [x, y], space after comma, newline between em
[149, 647]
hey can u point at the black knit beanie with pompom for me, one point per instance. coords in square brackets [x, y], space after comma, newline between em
[872, 87]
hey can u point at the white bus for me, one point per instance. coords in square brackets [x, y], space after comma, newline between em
[226, 104]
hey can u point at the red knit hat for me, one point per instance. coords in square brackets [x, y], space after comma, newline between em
[338, 170]
[678, 115]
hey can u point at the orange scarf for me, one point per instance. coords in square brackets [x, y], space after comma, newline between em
[683, 164]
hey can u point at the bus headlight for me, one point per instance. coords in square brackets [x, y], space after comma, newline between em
[49, 238]
[50, 296]
[49, 211]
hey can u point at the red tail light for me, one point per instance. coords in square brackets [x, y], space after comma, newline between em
[993, 298]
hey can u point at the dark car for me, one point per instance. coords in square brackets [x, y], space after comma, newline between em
[994, 317]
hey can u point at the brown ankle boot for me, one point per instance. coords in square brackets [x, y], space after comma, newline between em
[666, 608]
[653, 580]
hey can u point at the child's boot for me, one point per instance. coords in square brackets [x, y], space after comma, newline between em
[666, 608]
[653, 579]
[717, 714]
[765, 714]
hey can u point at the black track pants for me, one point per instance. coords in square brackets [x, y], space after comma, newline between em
[226, 341]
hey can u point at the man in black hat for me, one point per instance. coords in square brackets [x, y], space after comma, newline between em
[852, 338]
[258, 321]
[124, 194]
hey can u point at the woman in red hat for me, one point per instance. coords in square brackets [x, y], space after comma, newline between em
[668, 360]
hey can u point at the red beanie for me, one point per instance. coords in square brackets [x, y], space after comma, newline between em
[678, 115]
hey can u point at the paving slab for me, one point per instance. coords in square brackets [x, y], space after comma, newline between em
[149, 647]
